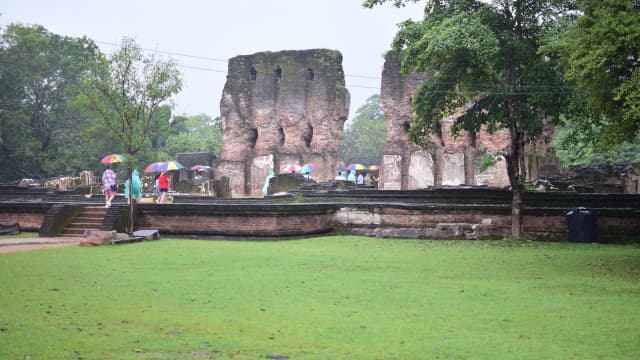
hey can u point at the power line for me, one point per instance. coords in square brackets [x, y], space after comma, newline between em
[214, 59]
[201, 68]
[360, 76]
[168, 52]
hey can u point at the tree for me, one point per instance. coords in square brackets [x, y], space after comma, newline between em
[576, 147]
[364, 140]
[194, 133]
[40, 77]
[601, 52]
[128, 94]
[484, 54]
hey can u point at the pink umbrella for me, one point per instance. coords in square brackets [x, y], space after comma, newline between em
[200, 167]
[291, 168]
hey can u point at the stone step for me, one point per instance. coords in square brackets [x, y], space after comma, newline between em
[94, 212]
[72, 235]
[84, 225]
[90, 216]
[73, 232]
[88, 219]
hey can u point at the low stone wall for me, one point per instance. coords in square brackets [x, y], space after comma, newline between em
[28, 216]
[239, 219]
[428, 214]
[436, 221]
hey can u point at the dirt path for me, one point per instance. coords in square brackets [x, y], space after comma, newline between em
[9, 245]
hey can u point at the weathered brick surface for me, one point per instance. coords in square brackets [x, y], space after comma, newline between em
[396, 171]
[27, 221]
[428, 214]
[254, 225]
[290, 105]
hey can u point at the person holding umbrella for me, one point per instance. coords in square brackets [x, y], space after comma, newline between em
[109, 185]
[163, 180]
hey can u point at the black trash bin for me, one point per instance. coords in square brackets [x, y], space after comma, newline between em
[581, 226]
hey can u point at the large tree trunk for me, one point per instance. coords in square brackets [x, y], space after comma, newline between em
[516, 212]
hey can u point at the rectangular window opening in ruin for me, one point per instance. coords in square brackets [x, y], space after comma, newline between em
[253, 133]
[278, 73]
[281, 136]
[310, 74]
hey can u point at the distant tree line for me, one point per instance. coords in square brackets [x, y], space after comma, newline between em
[53, 121]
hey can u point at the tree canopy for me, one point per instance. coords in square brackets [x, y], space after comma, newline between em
[194, 133]
[41, 75]
[484, 59]
[364, 140]
[601, 53]
[128, 93]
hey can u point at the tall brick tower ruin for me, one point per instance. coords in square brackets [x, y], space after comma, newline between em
[281, 108]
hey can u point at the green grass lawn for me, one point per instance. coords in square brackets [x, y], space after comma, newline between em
[341, 297]
[21, 235]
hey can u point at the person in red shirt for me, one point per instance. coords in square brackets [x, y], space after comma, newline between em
[163, 187]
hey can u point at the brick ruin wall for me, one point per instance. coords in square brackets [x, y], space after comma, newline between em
[28, 221]
[281, 108]
[448, 160]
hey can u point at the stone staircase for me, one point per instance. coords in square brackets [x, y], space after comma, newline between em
[90, 218]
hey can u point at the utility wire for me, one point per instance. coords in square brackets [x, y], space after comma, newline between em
[358, 76]
[168, 52]
[549, 88]
[213, 59]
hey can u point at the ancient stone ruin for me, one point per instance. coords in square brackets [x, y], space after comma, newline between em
[281, 108]
[448, 160]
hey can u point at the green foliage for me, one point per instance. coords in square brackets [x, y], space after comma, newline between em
[64, 105]
[129, 93]
[328, 298]
[41, 127]
[371, 110]
[364, 141]
[578, 148]
[194, 133]
[396, 3]
[486, 55]
[484, 62]
[488, 161]
[601, 52]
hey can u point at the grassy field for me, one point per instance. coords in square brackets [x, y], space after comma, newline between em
[339, 297]
[21, 235]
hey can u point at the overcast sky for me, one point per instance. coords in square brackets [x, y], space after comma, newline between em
[211, 32]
